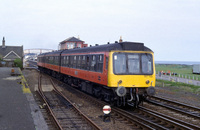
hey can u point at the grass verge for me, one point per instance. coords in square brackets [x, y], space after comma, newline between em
[182, 86]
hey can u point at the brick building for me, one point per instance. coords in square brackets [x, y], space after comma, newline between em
[71, 43]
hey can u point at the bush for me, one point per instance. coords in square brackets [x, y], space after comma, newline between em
[18, 63]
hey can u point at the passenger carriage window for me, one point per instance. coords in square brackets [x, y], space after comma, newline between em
[87, 62]
[78, 62]
[47, 60]
[71, 60]
[50, 60]
[63, 61]
[83, 61]
[55, 60]
[74, 62]
[67, 61]
[100, 63]
[93, 63]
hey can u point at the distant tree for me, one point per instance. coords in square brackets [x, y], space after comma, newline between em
[18, 63]
[1, 57]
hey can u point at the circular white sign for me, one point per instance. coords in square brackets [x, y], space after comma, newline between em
[106, 109]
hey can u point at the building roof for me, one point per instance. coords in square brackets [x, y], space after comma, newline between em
[11, 51]
[71, 39]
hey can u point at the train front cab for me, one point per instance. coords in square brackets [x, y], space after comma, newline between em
[131, 75]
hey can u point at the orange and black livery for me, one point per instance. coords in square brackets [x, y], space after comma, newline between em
[122, 73]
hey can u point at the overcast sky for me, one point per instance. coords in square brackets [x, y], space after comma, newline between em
[171, 28]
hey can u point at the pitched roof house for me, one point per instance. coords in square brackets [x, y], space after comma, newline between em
[71, 43]
[10, 53]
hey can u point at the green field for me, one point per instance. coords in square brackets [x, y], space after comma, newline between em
[182, 70]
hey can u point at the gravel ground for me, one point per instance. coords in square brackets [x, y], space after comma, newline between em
[179, 94]
[94, 112]
[91, 110]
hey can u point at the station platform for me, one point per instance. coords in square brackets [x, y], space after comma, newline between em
[18, 109]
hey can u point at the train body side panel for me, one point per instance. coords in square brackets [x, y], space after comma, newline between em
[40, 64]
[92, 76]
[95, 77]
[52, 67]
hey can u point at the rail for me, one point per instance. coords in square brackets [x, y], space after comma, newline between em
[176, 106]
[72, 106]
[137, 118]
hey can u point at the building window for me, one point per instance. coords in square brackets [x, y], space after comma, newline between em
[79, 45]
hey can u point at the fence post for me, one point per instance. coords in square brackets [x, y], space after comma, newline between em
[163, 84]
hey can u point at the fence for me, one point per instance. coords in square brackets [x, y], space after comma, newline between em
[194, 80]
[197, 77]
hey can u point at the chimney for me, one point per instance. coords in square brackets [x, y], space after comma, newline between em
[3, 43]
[120, 40]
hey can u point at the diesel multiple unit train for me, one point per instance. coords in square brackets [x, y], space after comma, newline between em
[120, 73]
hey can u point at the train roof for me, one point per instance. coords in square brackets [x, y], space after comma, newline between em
[129, 46]
[51, 53]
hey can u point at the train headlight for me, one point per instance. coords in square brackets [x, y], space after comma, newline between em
[147, 82]
[121, 91]
[151, 91]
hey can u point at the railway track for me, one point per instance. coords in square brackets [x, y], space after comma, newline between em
[173, 110]
[141, 118]
[189, 125]
[65, 114]
[188, 110]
